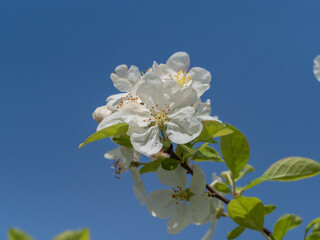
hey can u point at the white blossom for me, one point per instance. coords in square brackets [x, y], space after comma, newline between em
[164, 108]
[125, 79]
[127, 156]
[316, 67]
[177, 67]
[172, 203]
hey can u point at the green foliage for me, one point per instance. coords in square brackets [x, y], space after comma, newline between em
[288, 169]
[269, 209]
[169, 164]
[183, 151]
[314, 236]
[151, 166]
[210, 130]
[16, 234]
[315, 223]
[114, 130]
[74, 235]
[293, 168]
[123, 140]
[206, 153]
[284, 224]
[247, 169]
[221, 187]
[235, 150]
[247, 212]
[236, 232]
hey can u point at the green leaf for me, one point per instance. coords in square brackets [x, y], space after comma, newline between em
[235, 150]
[310, 225]
[293, 168]
[183, 151]
[285, 223]
[114, 130]
[17, 234]
[247, 212]
[206, 153]
[314, 236]
[236, 232]
[212, 129]
[151, 166]
[169, 164]
[247, 169]
[269, 209]
[221, 187]
[74, 235]
[288, 169]
[123, 140]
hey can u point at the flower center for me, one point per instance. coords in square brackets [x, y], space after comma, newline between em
[179, 194]
[159, 116]
[182, 78]
[127, 99]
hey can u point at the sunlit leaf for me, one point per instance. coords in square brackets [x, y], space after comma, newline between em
[123, 140]
[17, 234]
[247, 169]
[74, 235]
[236, 232]
[206, 153]
[151, 166]
[212, 129]
[221, 187]
[284, 224]
[310, 225]
[114, 130]
[235, 150]
[247, 212]
[269, 209]
[169, 164]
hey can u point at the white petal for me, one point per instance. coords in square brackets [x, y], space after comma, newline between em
[208, 118]
[114, 154]
[150, 90]
[183, 128]
[113, 101]
[183, 98]
[161, 204]
[129, 154]
[316, 67]
[210, 232]
[124, 79]
[100, 113]
[180, 220]
[145, 140]
[135, 115]
[200, 206]
[198, 181]
[200, 79]
[179, 61]
[110, 120]
[174, 178]
[163, 75]
[138, 186]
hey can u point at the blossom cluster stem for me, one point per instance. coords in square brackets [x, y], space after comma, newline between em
[187, 167]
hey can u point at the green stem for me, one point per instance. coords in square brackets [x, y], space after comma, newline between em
[265, 235]
[231, 181]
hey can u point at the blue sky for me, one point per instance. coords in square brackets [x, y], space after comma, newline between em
[55, 61]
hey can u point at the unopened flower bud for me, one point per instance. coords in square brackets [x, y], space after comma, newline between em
[100, 113]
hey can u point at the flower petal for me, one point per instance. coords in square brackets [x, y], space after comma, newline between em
[114, 154]
[100, 113]
[114, 100]
[135, 115]
[200, 206]
[110, 120]
[145, 140]
[174, 178]
[198, 181]
[183, 128]
[316, 67]
[138, 186]
[180, 220]
[160, 203]
[150, 90]
[210, 232]
[183, 98]
[124, 79]
[200, 80]
[179, 61]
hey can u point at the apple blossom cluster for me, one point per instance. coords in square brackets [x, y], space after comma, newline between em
[160, 106]
[159, 115]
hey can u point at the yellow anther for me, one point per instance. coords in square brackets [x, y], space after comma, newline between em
[182, 78]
